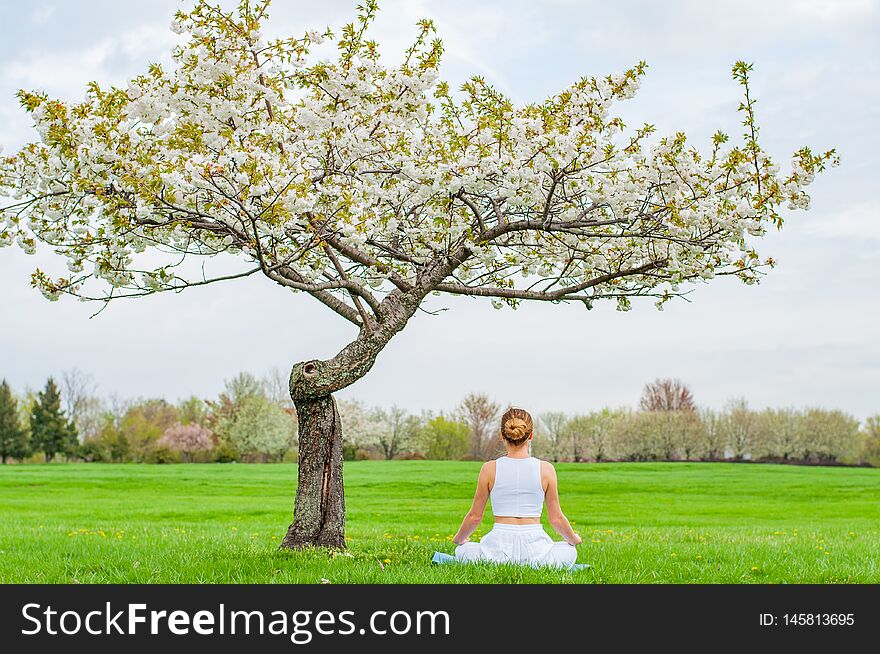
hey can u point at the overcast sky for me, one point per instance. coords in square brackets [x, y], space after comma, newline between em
[806, 336]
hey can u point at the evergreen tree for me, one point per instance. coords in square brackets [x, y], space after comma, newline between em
[71, 443]
[50, 430]
[13, 439]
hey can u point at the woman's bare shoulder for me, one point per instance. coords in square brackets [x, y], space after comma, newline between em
[487, 472]
[547, 470]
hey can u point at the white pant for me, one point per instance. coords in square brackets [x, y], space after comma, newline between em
[524, 544]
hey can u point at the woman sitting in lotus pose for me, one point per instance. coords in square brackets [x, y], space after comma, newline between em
[519, 486]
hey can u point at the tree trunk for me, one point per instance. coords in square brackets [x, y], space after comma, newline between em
[319, 508]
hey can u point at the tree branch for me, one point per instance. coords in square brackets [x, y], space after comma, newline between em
[474, 209]
[364, 259]
[545, 296]
[367, 321]
[288, 277]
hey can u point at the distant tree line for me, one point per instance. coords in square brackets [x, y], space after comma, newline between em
[253, 420]
[668, 426]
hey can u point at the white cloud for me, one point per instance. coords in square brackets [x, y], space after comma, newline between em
[838, 11]
[43, 14]
[859, 221]
[66, 72]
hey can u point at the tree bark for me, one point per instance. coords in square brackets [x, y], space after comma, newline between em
[319, 508]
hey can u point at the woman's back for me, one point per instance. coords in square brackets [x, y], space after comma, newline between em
[518, 491]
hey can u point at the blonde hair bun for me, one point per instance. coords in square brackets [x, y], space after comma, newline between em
[516, 426]
[515, 429]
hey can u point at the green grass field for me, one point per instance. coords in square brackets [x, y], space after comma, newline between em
[641, 523]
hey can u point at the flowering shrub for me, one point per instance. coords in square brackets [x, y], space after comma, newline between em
[186, 439]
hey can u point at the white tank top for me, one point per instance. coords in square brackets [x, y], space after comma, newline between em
[517, 491]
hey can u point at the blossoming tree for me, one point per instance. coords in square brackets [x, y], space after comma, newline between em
[186, 439]
[370, 186]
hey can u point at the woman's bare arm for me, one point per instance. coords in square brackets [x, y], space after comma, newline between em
[475, 516]
[554, 512]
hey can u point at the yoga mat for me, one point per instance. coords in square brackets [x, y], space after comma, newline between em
[441, 558]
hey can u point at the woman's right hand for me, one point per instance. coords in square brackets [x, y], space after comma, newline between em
[578, 540]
